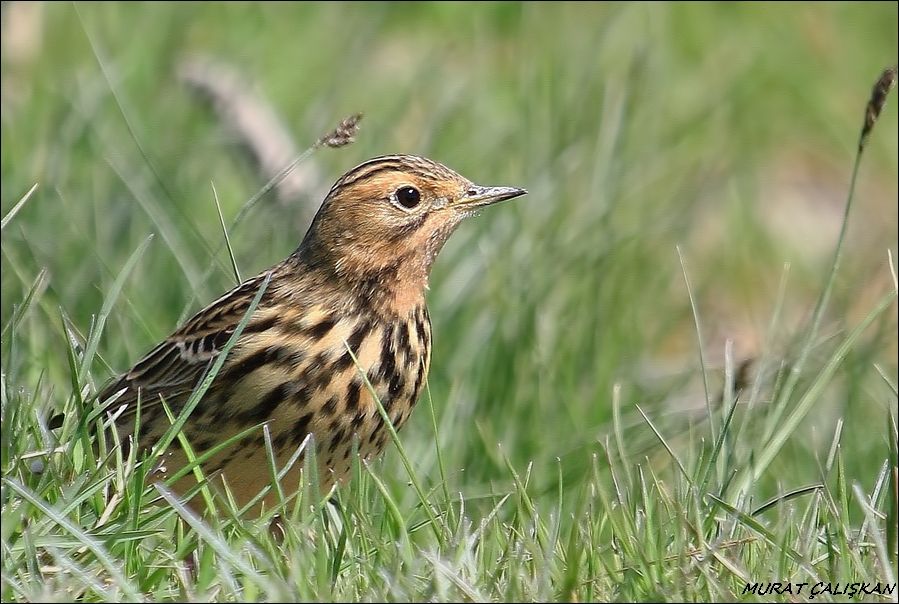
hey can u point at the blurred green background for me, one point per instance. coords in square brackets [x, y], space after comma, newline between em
[727, 129]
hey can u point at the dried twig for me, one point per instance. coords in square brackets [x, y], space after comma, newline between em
[343, 134]
[878, 99]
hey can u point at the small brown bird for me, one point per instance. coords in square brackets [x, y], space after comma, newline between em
[357, 282]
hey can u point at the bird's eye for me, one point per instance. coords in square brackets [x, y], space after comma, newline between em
[408, 197]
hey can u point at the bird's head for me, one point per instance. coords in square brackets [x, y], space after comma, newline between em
[384, 222]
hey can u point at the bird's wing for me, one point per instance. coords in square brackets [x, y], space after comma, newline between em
[175, 366]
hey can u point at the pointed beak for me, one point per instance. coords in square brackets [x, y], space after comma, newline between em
[478, 197]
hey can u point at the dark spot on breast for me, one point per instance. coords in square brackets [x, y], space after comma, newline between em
[301, 426]
[378, 428]
[363, 328]
[403, 340]
[321, 329]
[295, 441]
[300, 431]
[281, 440]
[370, 283]
[317, 375]
[419, 380]
[396, 385]
[295, 357]
[285, 356]
[330, 408]
[388, 359]
[422, 327]
[344, 361]
[373, 435]
[267, 404]
[261, 325]
[337, 440]
[319, 362]
[335, 425]
[358, 420]
[353, 392]
[246, 365]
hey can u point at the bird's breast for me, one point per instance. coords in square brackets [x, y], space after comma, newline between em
[325, 378]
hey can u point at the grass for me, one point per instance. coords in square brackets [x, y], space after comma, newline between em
[667, 372]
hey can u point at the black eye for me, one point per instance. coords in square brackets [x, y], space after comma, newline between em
[408, 197]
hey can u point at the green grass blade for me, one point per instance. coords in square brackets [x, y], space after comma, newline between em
[15, 209]
[85, 539]
[112, 295]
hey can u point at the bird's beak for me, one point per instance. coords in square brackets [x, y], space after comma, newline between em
[478, 197]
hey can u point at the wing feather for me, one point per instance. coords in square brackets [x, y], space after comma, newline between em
[175, 366]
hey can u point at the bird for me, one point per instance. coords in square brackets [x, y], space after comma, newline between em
[341, 320]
